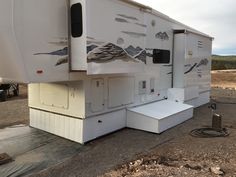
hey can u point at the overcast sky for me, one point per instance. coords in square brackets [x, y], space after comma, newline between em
[216, 18]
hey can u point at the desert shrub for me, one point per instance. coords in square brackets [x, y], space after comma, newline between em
[223, 62]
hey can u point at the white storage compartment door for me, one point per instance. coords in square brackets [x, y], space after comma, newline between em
[97, 95]
[54, 95]
[121, 91]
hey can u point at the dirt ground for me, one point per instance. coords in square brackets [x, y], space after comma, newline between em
[14, 111]
[186, 156]
[224, 79]
[223, 84]
[136, 153]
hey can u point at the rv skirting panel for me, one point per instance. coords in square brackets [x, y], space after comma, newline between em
[78, 130]
[203, 98]
[159, 116]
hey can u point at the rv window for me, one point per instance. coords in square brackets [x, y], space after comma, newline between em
[161, 56]
[76, 20]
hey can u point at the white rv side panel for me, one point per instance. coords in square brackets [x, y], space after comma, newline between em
[192, 66]
[192, 61]
[159, 36]
[183, 94]
[12, 66]
[116, 35]
[198, 62]
[78, 130]
[41, 33]
[97, 126]
[121, 91]
[159, 33]
[203, 98]
[63, 126]
[97, 95]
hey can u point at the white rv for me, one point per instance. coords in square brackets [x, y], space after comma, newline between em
[97, 66]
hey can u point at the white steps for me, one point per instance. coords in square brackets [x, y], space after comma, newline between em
[159, 116]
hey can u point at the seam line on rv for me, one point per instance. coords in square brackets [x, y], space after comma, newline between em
[57, 113]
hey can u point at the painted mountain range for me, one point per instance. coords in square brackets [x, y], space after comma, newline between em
[163, 36]
[132, 51]
[110, 52]
[62, 53]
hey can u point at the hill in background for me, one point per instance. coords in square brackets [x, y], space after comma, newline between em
[223, 62]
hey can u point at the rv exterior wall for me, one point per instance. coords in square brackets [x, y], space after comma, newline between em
[192, 61]
[134, 40]
[41, 29]
[10, 68]
[78, 46]
[119, 40]
[106, 57]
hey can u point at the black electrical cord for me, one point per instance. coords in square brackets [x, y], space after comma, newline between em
[209, 133]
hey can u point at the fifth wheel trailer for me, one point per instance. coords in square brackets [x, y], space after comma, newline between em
[97, 66]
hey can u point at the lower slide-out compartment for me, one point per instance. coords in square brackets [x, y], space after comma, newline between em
[78, 130]
[159, 116]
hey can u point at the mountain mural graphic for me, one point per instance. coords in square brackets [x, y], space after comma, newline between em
[162, 35]
[142, 56]
[203, 62]
[137, 53]
[133, 51]
[62, 53]
[109, 52]
[91, 47]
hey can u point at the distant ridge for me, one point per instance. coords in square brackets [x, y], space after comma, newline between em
[215, 55]
[223, 62]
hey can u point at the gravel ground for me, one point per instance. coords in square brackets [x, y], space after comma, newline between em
[224, 79]
[15, 110]
[186, 156]
[137, 153]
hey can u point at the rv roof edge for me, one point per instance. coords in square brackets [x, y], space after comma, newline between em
[147, 9]
[166, 17]
[199, 33]
[178, 31]
[134, 3]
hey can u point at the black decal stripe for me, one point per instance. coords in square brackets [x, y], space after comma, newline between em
[191, 68]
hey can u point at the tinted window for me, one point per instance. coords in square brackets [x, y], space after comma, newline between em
[161, 56]
[76, 20]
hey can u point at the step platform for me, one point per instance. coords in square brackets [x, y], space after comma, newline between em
[158, 116]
